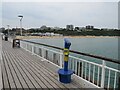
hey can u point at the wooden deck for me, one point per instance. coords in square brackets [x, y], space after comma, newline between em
[21, 70]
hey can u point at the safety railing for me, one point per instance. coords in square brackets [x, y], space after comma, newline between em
[96, 73]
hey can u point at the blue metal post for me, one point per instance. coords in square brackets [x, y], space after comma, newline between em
[66, 54]
[65, 74]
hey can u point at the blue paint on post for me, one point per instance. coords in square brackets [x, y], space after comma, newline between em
[65, 66]
[65, 74]
[67, 44]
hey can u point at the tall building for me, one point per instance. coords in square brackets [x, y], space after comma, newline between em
[2, 29]
[89, 27]
[69, 27]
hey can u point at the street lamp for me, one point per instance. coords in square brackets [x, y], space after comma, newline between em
[8, 29]
[20, 16]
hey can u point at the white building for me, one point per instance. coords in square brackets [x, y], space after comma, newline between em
[69, 27]
[2, 29]
[57, 28]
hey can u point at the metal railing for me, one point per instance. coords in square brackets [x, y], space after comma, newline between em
[98, 74]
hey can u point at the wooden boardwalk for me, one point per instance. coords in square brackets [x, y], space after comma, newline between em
[21, 70]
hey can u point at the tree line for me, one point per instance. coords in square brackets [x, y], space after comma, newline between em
[64, 32]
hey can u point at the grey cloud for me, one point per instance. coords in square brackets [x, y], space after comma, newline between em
[99, 14]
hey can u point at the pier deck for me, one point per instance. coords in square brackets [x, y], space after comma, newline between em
[22, 70]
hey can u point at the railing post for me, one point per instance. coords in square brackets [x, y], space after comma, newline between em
[61, 58]
[25, 46]
[32, 49]
[118, 82]
[80, 65]
[46, 54]
[42, 52]
[103, 74]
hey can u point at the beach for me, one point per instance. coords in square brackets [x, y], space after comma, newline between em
[40, 37]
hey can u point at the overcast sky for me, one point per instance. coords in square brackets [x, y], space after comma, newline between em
[36, 14]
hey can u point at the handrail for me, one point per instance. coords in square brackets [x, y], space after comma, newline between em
[81, 53]
[96, 56]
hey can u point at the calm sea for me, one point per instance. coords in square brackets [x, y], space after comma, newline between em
[107, 47]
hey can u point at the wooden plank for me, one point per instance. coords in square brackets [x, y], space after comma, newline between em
[17, 75]
[30, 73]
[4, 76]
[10, 77]
[15, 78]
[45, 74]
[66, 86]
[38, 83]
[47, 78]
[31, 76]
[41, 71]
[26, 78]
[29, 69]
[71, 85]
[42, 84]
[23, 72]
[55, 76]
[1, 83]
[42, 77]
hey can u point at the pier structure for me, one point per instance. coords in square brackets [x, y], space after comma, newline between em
[35, 66]
[21, 69]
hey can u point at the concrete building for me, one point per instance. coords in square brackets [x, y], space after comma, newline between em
[89, 27]
[69, 27]
[2, 29]
[79, 28]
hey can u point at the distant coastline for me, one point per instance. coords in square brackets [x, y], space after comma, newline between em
[39, 37]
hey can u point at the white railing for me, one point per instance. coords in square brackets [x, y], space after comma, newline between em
[98, 74]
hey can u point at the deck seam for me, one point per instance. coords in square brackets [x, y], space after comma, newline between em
[6, 73]
[36, 68]
[49, 70]
[32, 70]
[24, 72]
[21, 68]
[46, 72]
[41, 74]
[15, 71]
[27, 70]
[74, 83]
[10, 70]
[21, 73]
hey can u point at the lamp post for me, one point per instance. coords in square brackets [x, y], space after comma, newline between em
[8, 29]
[20, 16]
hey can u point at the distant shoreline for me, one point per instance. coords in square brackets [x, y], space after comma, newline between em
[39, 37]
